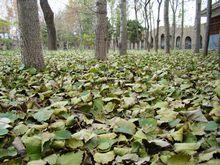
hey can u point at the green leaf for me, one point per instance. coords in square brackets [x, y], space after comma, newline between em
[62, 135]
[104, 158]
[3, 131]
[71, 158]
[150, 121]
[217, 90]
[43, 115]
[33, 146]
[123, 126]
[180, 159]
[37, 162]
[211, 126]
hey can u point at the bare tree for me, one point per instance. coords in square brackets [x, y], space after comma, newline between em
[101, 30]
[49, 19]
[158, 25]
[123, 28]
[146, 22]
[197, 26]
[29, 25]
[182, 23]
[167, 26]
[209, 15]
[174, 5]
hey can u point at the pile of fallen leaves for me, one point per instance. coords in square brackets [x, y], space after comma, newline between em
[143, 108]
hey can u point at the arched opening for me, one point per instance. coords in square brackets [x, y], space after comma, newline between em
[188, 43]
[162, 41]
[178, 42]
[200, 42]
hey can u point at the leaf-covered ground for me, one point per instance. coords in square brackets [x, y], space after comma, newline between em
[138, 109]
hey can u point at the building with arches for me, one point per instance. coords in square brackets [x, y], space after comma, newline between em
[188, 41]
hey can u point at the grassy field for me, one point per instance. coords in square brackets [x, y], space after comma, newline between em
[142, 108]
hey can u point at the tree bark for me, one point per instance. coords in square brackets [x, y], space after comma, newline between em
[219, 43]
[49, 19]
[167, 26]
[101, 30]
[174, 31]
[29, 25]
[182, 25]
[209, 15]
[197, 26]
[158, 25]
[123, 29]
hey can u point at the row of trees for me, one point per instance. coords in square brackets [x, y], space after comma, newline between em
[31, 43]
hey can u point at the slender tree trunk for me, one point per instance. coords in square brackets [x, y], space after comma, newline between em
[135, 10]
[49, 19]
[29, 25]
[182, 24]
[167, 26]
[158, 26]
[101, 30]
[197, 26]
[219, 43]
[136, 18]
[150, 26]
[123, 29]
[174, 31]
[207, 33]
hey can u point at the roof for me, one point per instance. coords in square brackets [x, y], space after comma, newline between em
[215, 10]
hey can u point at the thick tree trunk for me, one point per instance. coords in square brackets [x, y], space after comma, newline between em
[209, 15]
[49, 19]
[101, 30]
[29, 25]
[167, 26]
[158, 26]
[123, 29]
[197, 26]
[182, 25]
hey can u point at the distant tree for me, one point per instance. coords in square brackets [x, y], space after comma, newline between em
[49, 19]
[137, 7]
[135, 30]
[207, 31]
[146, 24]
[123, 28]
[101, 30]
[158, 25]
[197, 25]
[167, 26]
[174, 5]
[182, 22]
[31, 46]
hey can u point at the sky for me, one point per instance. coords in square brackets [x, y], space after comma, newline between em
[59, 5]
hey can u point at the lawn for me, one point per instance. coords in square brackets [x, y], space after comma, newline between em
[142, 108]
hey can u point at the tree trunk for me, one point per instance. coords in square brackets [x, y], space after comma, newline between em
[219, 43]
[197, 26]
[167, 26]
[158, 26]
[182, 25]
[101, 30]
[135, 10]
[123, 29]
[29, 25]
[49, 19]
[174, 31]
[209, 15]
